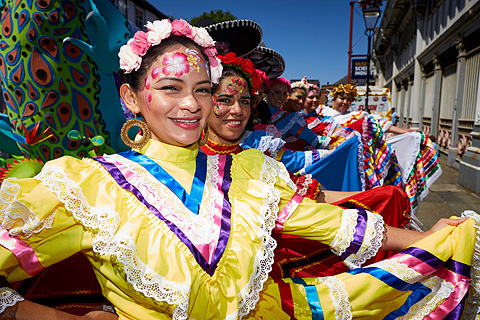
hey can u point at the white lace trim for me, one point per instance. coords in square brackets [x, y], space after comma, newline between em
[8, 298]
[103, 222]
[345, 233]
[339, 296]
[325, 142]
[249, 295]
[314, 123]
[372, 242]
[297, 118]
[308, 181]
[271, 145]
[472, 308]
[399, 270]
[308, 158]
[283, 175]
[441, 290]
[17, 217]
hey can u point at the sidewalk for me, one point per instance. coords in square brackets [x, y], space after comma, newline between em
[446, 197]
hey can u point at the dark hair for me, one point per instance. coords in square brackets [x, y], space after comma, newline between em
[135, 78]
[228, 72]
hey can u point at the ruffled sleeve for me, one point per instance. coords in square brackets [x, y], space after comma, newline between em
[44, 219]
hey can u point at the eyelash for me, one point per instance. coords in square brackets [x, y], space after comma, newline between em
[168, 88]
[204, 90]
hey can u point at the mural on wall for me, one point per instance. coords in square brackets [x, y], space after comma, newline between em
[57, 59]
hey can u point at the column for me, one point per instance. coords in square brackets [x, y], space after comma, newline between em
[437, 90]
[401, 106]
[417, 103]
[409, 101]
[457, 103]
[421, 106]
[394, 96]
[469, 167]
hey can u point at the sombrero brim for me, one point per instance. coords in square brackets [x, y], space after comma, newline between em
[267, 60]
[242, 36]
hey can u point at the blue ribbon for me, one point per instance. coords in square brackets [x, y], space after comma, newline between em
[312, 298]
[193, 200]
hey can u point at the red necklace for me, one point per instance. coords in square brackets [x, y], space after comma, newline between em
[211, 148]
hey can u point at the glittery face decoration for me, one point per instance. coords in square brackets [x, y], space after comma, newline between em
[174, 64]
[223, 99]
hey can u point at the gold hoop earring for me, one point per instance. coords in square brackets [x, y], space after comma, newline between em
[135, 144]
[203, 141]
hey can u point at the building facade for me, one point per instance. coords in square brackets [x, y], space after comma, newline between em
[428, 53]
[138, 12]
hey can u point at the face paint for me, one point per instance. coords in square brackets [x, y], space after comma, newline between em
[147, 95]
[218, 110]
[232, 88]
[156, 72]
[175, 64]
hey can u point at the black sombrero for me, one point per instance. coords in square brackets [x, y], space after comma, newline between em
[241, 36]
[267, 60]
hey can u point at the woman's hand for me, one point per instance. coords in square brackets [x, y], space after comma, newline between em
[442, 223]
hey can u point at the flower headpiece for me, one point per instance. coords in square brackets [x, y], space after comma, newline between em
[264, 77]
[302, 84]
[344, 88]
[313, 87]
[131, 53]
[281, 80]
[244, 65]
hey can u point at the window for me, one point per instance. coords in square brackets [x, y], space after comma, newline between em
[139, 17]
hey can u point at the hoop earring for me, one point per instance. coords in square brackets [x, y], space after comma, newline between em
[203, 141]
[135, 144]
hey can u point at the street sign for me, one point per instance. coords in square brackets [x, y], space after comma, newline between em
[359, 69]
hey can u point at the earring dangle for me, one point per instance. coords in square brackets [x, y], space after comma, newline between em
[203, 141]
[135, 144]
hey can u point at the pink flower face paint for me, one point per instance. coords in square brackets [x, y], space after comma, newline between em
[175, 64]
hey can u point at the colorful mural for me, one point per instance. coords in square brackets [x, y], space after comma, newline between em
[57, 59]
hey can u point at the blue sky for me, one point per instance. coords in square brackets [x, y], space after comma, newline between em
[312, 36]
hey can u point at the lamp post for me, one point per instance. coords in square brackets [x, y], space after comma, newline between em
[371, 14]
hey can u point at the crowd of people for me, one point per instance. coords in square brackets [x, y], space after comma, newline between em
[241, 197]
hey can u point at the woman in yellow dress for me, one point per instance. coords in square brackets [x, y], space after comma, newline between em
[172, 233]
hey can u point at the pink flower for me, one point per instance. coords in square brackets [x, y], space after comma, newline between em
[158, 30]
[216, 72]
[140, 43]
[177, 63]
[129, 61]
[213, 62]
[210, 52]
[182, 28]
[202, 38]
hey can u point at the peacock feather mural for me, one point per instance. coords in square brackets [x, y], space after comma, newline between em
[57, 64]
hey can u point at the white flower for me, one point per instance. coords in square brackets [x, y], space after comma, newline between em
[129, 61]
[202, 38]
[158, 30]
[216, 72]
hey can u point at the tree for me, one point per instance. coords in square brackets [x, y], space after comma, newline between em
[215, 15]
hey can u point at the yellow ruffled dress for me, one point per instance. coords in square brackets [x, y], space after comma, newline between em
[160, 253]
